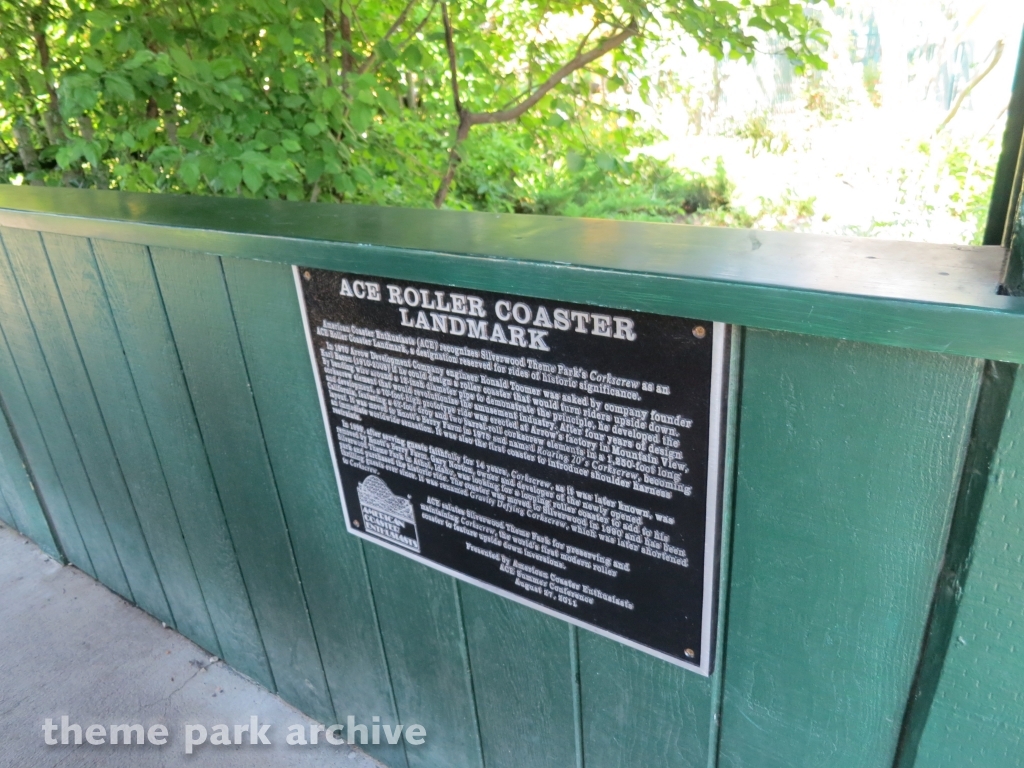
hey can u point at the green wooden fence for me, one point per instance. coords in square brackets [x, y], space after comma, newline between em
[162, 431]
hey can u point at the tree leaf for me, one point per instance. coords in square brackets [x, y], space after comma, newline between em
[223, 67]
[219, 26]
[362, 176]
[252, 177]
[118, 88]
[360, 116]
[189, 173]
[182, 62]
[330, 97]
[141, 57]
[413, 56]
[314, 168]
[230, 174]
[209, 166]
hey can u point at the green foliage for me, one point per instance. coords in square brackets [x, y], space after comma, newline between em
[789, 212]
[645, 189]
[758, 129]
[329, 100]
[943, 181]
[970, 198]
[959, 181]
[824, 97]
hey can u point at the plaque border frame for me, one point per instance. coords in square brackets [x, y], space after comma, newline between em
[718, 412]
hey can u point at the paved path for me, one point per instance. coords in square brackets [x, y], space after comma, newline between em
[69, 646]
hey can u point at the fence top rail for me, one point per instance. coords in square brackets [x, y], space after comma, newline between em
[941, 298]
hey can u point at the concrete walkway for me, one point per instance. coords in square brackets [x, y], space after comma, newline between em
[69, 646]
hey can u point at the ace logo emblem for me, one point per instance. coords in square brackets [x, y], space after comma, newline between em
[386, 515]
[566, 457]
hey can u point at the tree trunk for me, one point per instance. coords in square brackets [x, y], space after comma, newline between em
[27, 152]
[454, 158]
[52, 119]
[347, 59]
[329, 44]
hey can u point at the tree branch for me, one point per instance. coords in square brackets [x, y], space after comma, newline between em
[329, 43]
[391, 30]
[347, 59]
[52, 120]
[449, 44]
[464, 125]
[996, 54]
[586, 37]
[192, 13]
[419, 27]
[529, 87]
[468, 119]
[578, 62]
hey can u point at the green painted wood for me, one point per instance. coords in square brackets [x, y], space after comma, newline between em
[329, 560]
[1005, 187]
[19, 494]
[421, 624]
[640, 711]
[1013, 282]
[68, 491]
[198, 308]
[137, 307]
[6, 458]
[977, 715]
[849, 461]
[935, 297]
[735, 377]
[81, 291]
[6, 515]
[989, 415]
[56, 339]
[15, 406]
[523, 680]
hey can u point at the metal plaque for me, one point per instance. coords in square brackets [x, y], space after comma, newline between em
[565, 456]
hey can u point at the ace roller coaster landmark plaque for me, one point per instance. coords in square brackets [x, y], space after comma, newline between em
[565, 456]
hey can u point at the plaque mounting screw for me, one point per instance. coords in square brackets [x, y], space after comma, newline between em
[355, 523]
[698, 331]
[307, 275]
[688, 653]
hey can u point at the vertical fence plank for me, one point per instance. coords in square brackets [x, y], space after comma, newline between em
[131, 289]
[28, 259]
[423, 637]
[6, 515]
[639, 710]
[195, 298]
[329, 559]
[523, 679]
[848, 465]
[71, 499]
[15, 405]
[977, 715]
[81, 292]
[20, 496]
